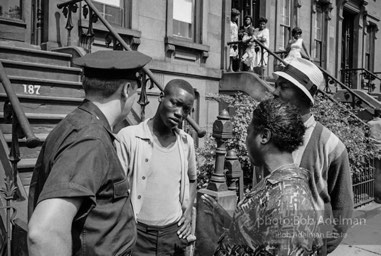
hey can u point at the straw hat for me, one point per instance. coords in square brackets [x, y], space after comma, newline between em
[305, 75]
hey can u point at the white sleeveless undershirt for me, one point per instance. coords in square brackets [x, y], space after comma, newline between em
[161, 200]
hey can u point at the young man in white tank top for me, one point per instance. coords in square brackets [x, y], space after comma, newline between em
[160, 161]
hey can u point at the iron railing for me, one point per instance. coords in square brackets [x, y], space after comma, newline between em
[367, 78]
[14, 114]
[363, 185]
[363, 182]
[146, 76]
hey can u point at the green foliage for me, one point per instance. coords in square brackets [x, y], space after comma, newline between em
[350, 130]
[337, 118]
[240, 109]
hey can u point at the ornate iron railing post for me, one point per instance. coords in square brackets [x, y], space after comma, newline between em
[67, 12]
[234, 173]
[8, 192]
[217, 187]
[222, 131]
[143, 98]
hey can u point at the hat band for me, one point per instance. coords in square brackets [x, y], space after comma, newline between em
[110, 74]
[302, 78]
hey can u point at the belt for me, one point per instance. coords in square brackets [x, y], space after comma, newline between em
[157, 229]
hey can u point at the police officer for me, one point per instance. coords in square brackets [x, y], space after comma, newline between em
[79, 202]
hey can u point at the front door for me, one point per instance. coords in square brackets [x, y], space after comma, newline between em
[347, 40]
[248, 8]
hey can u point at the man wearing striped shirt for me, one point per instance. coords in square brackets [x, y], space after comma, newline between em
[322, 152]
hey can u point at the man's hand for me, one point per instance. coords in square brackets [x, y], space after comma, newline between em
[185, 225]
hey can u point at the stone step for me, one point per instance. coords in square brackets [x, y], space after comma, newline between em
[45, 104]
[25, 179]
[41, 71]
[45, 87]
[41, 127]
[27, 163]
[34, 55]
[39, 117]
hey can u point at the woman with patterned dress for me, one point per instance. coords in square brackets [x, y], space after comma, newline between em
[279, 216]
[296, 46]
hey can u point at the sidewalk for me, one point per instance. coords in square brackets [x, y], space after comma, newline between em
[363, 239]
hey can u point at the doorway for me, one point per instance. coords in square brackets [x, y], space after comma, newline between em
[248, 8]
[347, 46]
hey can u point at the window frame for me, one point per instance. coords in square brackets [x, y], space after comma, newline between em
[125, 7]
[20, 14]
[198, 28]
[193, 29]
[184, 48]
[369, 51]
[285, 27]
[318, 35]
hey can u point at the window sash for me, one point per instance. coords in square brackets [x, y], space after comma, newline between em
[286, 12]
[184, 18]
[285, 35]
[318, 49]
[11, 9]
[113, 11]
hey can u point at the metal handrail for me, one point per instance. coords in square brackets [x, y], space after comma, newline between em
[200, 132]
[347, 88]
[319, 90]
[31, 140]
[373, 75]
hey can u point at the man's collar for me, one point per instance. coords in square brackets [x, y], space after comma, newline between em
[145, 132]
[91, 108]
[310, 122]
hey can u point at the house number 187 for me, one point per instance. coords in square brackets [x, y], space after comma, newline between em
[32, 89]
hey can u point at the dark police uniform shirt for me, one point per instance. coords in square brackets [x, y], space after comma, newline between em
[78, 159]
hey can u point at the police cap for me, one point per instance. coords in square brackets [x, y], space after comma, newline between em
[112, 64]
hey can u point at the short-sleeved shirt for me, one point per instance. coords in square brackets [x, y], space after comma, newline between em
[135, 152]
[278, 217]
[79, 160]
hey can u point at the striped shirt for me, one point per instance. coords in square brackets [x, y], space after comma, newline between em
[326, 156]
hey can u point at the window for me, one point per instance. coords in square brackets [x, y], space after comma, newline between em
[186, 31]
[112, 11]
[183, 18]
[11, 9]
[285, 25]
[370, 38]
[318, 34]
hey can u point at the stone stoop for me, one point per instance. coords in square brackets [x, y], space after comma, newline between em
[48, 88]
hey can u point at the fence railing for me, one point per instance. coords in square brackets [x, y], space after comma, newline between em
[367, 78]
[14, 114]
[363, 185]
[146, 76]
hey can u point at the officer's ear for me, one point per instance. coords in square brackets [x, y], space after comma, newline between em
[125, 91]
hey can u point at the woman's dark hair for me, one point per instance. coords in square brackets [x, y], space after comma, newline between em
[262, 19]
[296, 30]
[283, 121]
[248, 16]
